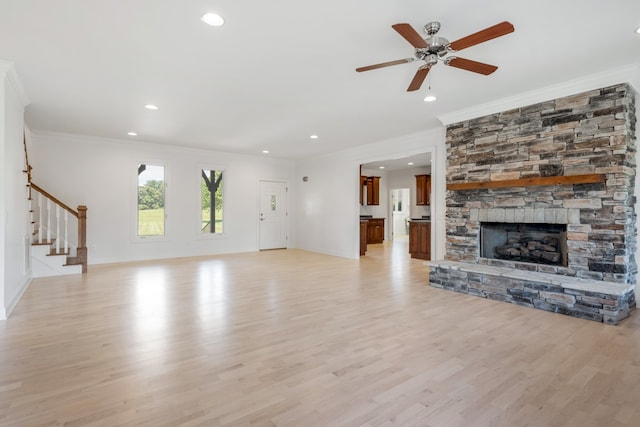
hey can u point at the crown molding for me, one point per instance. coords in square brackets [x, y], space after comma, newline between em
[8, 70]
[627, 74]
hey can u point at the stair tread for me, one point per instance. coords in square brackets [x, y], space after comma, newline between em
[61, 253]
[43, 243]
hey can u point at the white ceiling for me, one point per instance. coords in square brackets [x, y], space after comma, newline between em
[417, 161]
[277, 72]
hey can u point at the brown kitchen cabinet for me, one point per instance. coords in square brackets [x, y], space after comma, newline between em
[363, 183]
[373, 190]
[420, 239]
[423, 190]
[375, 230]
[363, 236]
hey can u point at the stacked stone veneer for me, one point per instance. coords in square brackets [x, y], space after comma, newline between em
[607, 302]
[588, 133]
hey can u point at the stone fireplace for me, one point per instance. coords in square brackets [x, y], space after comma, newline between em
[559, 170]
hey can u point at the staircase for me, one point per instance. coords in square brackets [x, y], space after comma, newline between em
[53, 238]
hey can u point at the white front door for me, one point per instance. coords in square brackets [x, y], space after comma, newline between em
[273, 215]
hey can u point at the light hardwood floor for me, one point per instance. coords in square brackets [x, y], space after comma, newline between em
[291, 338]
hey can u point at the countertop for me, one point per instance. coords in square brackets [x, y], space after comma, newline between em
[420, 219]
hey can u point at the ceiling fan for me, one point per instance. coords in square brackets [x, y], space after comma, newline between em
[434, 47]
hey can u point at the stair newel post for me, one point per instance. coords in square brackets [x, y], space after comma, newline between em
[81, 251]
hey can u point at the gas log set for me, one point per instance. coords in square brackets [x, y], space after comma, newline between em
[527, 248]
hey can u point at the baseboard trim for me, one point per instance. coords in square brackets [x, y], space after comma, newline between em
[14, 302]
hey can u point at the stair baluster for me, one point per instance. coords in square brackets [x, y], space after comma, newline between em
[66, 232]
[48, 221]
[57, 229]
[40, 207]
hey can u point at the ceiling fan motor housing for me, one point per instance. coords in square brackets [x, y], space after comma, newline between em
[437, 47]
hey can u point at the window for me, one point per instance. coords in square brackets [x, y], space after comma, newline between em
[211, 201]
[151, 200]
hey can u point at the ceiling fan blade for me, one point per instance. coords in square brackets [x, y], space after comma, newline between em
[469, 65]
[482, 36]
[410, 35]
[418, 79]
[385, 64]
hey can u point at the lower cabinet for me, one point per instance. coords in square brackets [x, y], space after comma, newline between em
[420, 239]
[363, 237]
[375, 230]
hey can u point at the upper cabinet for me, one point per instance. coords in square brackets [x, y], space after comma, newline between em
[372, 184]
[423, 190]
[373, 190]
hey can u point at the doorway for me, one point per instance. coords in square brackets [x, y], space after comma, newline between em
[400, 203]
[273, 215]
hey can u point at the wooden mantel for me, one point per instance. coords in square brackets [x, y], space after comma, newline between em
[530, 182]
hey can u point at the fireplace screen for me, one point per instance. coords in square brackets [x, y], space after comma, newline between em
[535, 243]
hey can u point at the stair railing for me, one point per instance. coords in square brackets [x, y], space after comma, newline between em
[52, 215]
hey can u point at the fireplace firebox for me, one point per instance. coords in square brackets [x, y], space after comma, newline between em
[533, 243]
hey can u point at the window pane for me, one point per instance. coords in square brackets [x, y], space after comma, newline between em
[151, 200]
[211, 200]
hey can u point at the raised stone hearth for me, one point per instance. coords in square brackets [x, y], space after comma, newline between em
[607, 302]
[591, 134]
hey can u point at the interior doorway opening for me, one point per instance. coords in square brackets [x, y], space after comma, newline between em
[400, 213]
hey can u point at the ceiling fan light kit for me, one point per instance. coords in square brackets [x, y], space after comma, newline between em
[431, 49]
[213, 19]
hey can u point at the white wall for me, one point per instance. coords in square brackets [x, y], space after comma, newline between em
[102, 174]
[14, 226]
[407, 179]
[4, 189]
[328, 205]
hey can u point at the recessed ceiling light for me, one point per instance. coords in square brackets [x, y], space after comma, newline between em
[410, 163]
[430, 98]
[314, 137]
[151, 107]
[265, 151]
[132, 134]
[213, 19]
[381, 167]
[638, 30]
